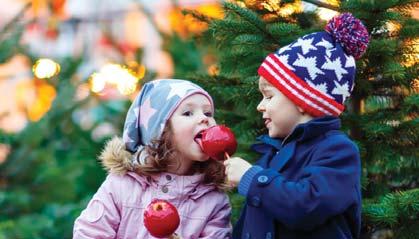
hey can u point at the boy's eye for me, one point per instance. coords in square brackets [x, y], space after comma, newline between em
[208, 114]
[187, 113]
[268, 97]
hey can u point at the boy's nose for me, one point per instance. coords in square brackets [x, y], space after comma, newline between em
[260, 107]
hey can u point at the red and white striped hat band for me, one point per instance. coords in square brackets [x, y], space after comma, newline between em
[311, 100]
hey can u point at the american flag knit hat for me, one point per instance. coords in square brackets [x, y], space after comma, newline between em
[317, 71]
[152, 108]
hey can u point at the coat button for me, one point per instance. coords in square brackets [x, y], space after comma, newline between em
[247, 235]
[268, 235]
[255, 201]
[168, 177]
[262, 179]
[165, 189]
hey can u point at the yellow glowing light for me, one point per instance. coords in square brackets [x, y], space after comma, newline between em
[326, 14]
[393, 27]
[272, 5]
[97, 82]
[128, 85]
[187, 24]
[45, 95]
[289, 9]
[137, 69]
[411, 53]
[45, 68]
[116, 75]
[415, 85]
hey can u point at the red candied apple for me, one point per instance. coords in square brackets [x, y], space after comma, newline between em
[161, 218]
[218, 140]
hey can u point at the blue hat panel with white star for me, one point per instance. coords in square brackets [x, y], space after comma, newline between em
[151, 109]
[322, 63]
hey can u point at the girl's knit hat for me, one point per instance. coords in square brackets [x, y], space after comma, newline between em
[153, 106]
[317, 71]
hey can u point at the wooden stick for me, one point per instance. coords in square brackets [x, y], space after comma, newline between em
[226, 155]
[174, 236]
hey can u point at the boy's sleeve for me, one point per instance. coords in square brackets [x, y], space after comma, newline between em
[329, 185]
[219, 225]
[100, 219]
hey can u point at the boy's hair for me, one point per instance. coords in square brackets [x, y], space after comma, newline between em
[317, 71]
[158, 159]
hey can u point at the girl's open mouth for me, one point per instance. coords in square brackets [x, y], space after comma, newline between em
[198, 139]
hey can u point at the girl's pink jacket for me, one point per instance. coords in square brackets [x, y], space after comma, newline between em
[117, 208]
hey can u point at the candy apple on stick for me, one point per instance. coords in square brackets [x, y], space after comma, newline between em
[218, 142]
[161, 219]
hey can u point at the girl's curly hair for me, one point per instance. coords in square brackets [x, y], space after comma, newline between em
[160, 156]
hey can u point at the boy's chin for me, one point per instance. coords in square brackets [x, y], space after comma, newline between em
[275, 134]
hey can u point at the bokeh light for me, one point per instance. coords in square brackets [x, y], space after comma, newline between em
[118, 76]
[45, 68]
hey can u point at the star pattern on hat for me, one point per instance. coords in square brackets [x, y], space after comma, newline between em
[350, 61]
[146, 112]
[305, 44]
[327, 45]
[342, 90]
[335, 66]
[310, 64]
[179, 89]
[284, 60]
[322, 87]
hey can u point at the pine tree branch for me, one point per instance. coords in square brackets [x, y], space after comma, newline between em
[323, 5]
[249, 16]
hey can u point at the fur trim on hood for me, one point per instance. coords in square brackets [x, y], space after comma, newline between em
[115, 158]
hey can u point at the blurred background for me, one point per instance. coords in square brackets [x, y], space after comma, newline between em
[69, 70]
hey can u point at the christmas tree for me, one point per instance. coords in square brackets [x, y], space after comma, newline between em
[51, 170]
[381, 116]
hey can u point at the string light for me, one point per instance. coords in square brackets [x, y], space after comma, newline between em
[45, 68]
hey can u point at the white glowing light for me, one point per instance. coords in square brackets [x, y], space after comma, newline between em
[128, 84]
[116, 75]
[97, 82]
[45, 68]
[326, 14]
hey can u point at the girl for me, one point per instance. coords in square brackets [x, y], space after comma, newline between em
[159, 157]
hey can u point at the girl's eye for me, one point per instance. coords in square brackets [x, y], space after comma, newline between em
[208, 114]
[187, 113]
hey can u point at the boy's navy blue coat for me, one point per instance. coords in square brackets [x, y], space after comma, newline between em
[307, 186]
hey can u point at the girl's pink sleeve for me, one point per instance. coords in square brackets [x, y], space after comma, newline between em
[101, 217]
[219, 225]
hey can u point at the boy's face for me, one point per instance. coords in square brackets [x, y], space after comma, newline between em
[279, 113]
[192, 116]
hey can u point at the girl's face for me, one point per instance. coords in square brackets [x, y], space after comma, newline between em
[280, 114]
[192, 116]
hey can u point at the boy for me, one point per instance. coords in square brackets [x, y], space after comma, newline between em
[307, 182]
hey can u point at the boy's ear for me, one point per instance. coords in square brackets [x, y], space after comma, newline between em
[301, 110]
